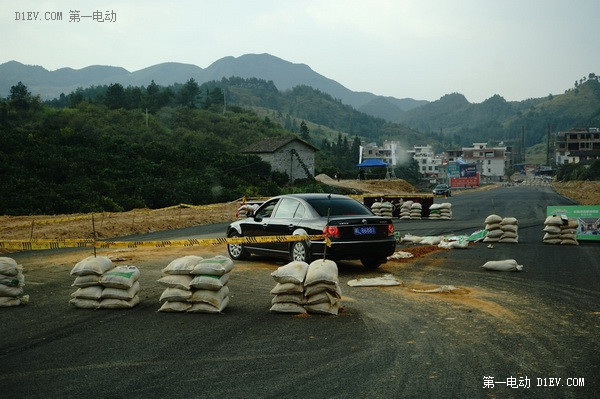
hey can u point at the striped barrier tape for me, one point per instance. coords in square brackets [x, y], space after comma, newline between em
[27, 245]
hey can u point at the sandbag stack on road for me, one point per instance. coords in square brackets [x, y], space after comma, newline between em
[322, 288]
[12, 281]
[289, 290]
[196, 285]
[510, 230]
[120, 288]
[560, 231]
[385, 209]
[303, 288]
[440, 211]
[416, 209]
[405, 210]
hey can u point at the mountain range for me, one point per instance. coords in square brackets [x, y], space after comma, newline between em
[285, 75]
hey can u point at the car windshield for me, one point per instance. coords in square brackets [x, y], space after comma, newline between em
[338, 207]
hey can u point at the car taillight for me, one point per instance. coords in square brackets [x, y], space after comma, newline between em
[331, 231]
[390, 229]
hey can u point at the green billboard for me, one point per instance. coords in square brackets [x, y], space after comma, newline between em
[587, 216]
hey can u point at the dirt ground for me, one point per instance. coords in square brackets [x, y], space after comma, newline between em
[117, 224]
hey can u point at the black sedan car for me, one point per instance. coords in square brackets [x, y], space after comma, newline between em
[354, 231]
[442, 189]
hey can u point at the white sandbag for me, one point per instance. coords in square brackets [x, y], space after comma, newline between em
[321, 271]
[175, 295]
[119, 303]
[552, 229]
[494, 233]
[93, 292]
[202, 307]
[412, 238]
[491, 239]
[17, 280]
[120, 277]
[510, 227]
[322, 287]
[383, 281]
[92, 265]
[209, 282]
[507, 265]
[86, 281]
[553, 220]
[6, 290]
[214, 298]
[293, 298]
[176, 281]
[431, 240]
[401, 255]
[178, 306]
[323, 308]
[323, 297]
[217, 266]
[287, 307]
[509, 221]
[7, 302]
[8, 266]
[454, 244]
[493, 226]
[491, 219]
[120, 293]
[182, 265]
[287, 288]
[85, 303]
[569, 242]
[294, 272]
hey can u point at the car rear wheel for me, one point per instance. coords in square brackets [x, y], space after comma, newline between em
[236, 251]
[300, 252]
[372, 263]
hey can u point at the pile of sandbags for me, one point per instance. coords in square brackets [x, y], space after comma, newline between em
[501, 229]
[405, 210]
[385, 209]
[510, 230]
[12, 281]
[560, 230]
[196, 285]
[289, 290]
[440, 211]
[101, 285]
[303, 288]
[416, 209]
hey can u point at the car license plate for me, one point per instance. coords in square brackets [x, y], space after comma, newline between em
[360, 231]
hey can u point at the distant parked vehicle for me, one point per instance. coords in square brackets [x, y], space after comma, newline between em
[442, 189]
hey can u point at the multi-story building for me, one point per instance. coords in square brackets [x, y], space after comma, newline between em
[577, 146]
[430, 165]
[387, 153]
[491, 162]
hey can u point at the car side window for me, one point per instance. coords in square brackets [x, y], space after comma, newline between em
[266, 210]
[300, 212]
[287, 208]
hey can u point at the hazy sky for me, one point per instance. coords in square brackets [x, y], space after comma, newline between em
[421, 49]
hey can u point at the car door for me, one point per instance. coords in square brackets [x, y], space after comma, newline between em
[284, 221]
[258, 225]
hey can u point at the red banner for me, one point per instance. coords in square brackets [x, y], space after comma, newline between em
[464, 181]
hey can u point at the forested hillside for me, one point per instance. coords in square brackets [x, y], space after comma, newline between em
[454, 118]
[112, 148]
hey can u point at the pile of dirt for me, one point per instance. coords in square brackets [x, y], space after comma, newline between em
[375, 186]
[584, 192]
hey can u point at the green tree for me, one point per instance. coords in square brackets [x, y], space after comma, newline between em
[115, 96]
[304, 132]
[189, 93]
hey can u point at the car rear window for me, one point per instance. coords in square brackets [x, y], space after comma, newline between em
[338, 207]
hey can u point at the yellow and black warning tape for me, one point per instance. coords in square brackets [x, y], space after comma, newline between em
[27, 245]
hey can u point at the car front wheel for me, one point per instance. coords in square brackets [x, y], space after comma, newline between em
[236, 251]
[300, 252]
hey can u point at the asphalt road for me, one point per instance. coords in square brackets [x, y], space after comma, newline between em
[499, 335]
